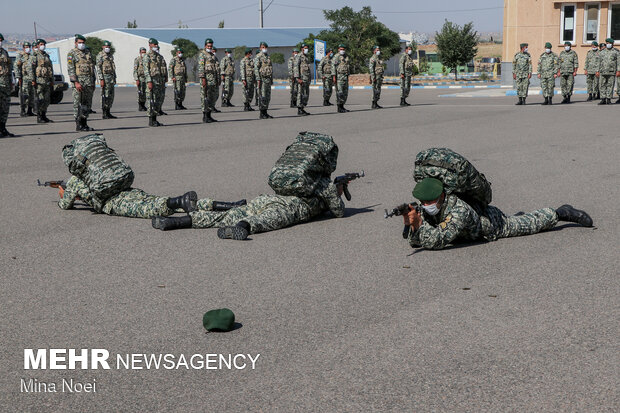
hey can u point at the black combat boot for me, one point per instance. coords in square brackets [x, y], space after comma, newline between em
[45, 118]
[30, 112]
[402, 102]
[378, 106]
[186, 202]
[204, 117]
[250, 108]
[302, 112]
[326, 102]
[169, 223]
[210, 118]
[225, 206]
[85, 126]
[78, 125]
[598, 95]
[523, 100]
[181, 106]
[618, 101]
[374, 104]
[551, 100]
[546, 102]
[111, 116]
[216, 110]
[141, 107]
[22, 112]
[40, 118]
[568, 99]
[267, 115]
[246, 107]
[570, 214]
[104, 114]
[153, 121]
[239, 232]
[293, 102]
[3, 132]
[565, 100]
[519, 102]
[603, 102]
[262, 114]
[589, 97]
[230, 105]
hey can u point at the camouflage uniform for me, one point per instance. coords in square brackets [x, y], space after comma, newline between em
[569, 62]
[81, 68]
[133, 203]
[293, 86]
[522, 68]
[617, 81]
[155, 71]
[6, 84]
[593, 62]
[406, 65]
[178, 70]
[301, 70]
[218, 77]
[324, 71]
[548, 65]
[246, 69]
[457, 220]
[208, 70]
[608, 68]
[227, 70]
[341, 70]
[24, 70]
[138, 75]
[376, 67]
[263, 70]
[44, 79]
[106, 71]
[270, 212]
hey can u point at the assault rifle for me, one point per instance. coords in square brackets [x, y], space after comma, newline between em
[345, 179]
[53, 184]
[403, 209]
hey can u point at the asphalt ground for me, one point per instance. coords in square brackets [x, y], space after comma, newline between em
[345, 315]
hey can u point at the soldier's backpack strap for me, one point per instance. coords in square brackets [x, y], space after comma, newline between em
[437, 163]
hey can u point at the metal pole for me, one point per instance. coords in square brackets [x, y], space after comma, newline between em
[35, 31]
[260, 2]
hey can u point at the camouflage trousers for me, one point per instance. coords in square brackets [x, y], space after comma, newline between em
[5, 102]
[405, 86]
[155, 97]
[376, 88]
[141, 92]
[136, 203]
[179, 91]
[264, 94]
[107, 92]
[248, 91]
[43, 96]
[566, 84]
[606, 86]
[497, 225]
[592, 82]
[547, 83]
[85, 98]
[28, 92]
[208, 96]
[294, 88]
[328, 85]
[263, 213]
[617, 80]
[303, 93]
[342, 89]
[228, 88]
[523, 85]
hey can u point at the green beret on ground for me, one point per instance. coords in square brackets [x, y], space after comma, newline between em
[143, 49]
[342, 46]
[594, 43]
[296, 50]
[523, 45]
[39, 41]
[208, 40]
[263, 44]
[568, 44]
[428, 189]
[107, 43]
[153, 41]
[609, 40]
[1, 36]
[26, 44]
[219, 320]
[228, 51]
[248, 50]
[548, 45]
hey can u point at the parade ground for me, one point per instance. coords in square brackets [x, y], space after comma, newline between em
[334, 314]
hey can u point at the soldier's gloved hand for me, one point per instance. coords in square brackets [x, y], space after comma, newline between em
[78, 86]
[150, 85]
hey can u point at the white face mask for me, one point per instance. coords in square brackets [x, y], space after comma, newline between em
[595, 49]
[567, 48]
[547, 50]
[27, 50]
[227, 54]
[42, 47]
[155, 49]
[81, 46]
[609, 45]
[378, 52]
[525, 50]
[0, 43]
[431, 209]
[142, 54]
[209, 50]
[409, 51]
[106, 49]
[264, 50]
[341, 52]
[305, 51]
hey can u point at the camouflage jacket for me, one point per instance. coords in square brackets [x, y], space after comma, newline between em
[177, 68]
[569, 62]
[138, 69]
[548, 64]
[291, 63]
[376, 67]
[24, 66]
[154, 70]
[593, 62]
[609, 62]
[406, 65]
[105, 65]
[5, 68]
[324, 69]
[76, 188]
[81, 66]
[522, 64]
[207, 67]
[227, 66]
[341, 66]
[246, 69]
[301, 67]
[263, 68]
[42, 65]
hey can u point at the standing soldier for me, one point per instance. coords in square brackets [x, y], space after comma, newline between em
[291, 77]
[178, 71]
[106, 74]
[548, 70]
[593, 61]
[522, 72]
[569, 62]
[301, 73]
[613, 49]
[376, 67]
[155, 81]
[217, 79]
[246, 67]
[340, 71]
[6, 86]
[138, 76]
[24, 73]
[163, 69]
[601, 47]
[81, 69]
[207, 73]
[227, 69]
[263, 70]
[405, 66]
[43, 81]
[324, 71]
[608, 70]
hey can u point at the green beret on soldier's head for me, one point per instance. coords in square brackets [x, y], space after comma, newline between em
[375, 47]
[248, 50]
[594, 43]
[228, 51]
[208, 40]
[107, 43]
[79, 37]
[143, 49]
[330, 50]
[39, 41]
[609, 40]
[523, 45]
[1, 36]
[296, 50]
[263, 44]
[548, 45]
[568, 44]
[152, 40]
[26, 44]
[342, 46]
[179, 50]
[218, 320]
[428, 189]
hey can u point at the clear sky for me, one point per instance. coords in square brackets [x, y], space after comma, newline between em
[82, 16]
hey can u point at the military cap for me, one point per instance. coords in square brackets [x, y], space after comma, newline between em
[26, 44]
[568, 44]
[248, 50]
[296, 50]
[264, 44]
[228, 51]
[107, 43]
[1, 36]
[523, 45]
[594, 43]
[548, 45]
[214, 49]
[143, 48]
[79, 37]
[152, 40]
[220, 320]
[428, 189]
[208, 40]
[609, 40]
[39, 41]
[330, 50]
[179, 50]
[375, 47]
[342, 46]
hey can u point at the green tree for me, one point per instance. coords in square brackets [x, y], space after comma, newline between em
[277, 58]
[424, 65]
[239, 52]
[133, 25]
[95, 45]
[456, 45]
[190, 49]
